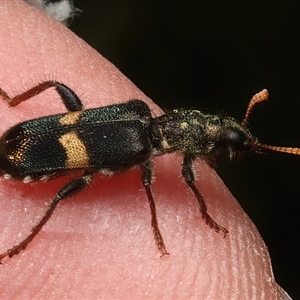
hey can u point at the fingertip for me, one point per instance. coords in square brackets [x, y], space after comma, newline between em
[103, 239]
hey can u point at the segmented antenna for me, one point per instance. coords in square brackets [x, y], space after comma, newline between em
[257, 98]
[289, 150]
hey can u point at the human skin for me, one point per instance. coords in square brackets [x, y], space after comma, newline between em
[99, 243]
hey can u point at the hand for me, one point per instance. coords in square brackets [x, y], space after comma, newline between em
[99, 244]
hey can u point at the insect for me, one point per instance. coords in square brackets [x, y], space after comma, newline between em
[114, 139]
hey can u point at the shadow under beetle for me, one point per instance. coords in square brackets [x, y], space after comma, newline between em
[113, 139]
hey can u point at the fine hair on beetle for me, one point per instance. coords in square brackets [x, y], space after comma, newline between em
[114, 139]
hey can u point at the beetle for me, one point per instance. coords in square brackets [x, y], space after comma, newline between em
[113, 139]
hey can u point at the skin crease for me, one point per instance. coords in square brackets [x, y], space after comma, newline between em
[99, 244]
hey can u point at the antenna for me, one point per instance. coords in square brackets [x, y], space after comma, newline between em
[257, 98]
[289, 150]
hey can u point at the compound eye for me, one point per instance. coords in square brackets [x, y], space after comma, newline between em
[237, 139]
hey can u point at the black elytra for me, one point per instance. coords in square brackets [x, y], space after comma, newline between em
[114, 139]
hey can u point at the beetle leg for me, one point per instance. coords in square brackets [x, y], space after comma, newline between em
[189, 177]
[73, 187]
[147, 180]
[69, 98]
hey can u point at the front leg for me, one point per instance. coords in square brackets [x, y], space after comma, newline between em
[189, 177]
